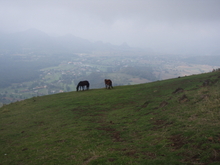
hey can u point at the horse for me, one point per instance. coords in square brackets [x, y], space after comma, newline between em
[82, 84]
[108, 83]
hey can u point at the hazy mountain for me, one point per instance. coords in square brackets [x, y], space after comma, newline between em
[27, 41]
[34, 40]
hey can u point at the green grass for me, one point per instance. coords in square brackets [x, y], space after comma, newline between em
[138, 124]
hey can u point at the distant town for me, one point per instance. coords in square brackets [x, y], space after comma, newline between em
[64, 74]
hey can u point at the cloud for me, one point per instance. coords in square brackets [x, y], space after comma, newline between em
[160, 24]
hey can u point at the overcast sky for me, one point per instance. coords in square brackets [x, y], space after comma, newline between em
[172, 26]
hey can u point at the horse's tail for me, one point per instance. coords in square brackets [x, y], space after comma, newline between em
[87, 85]
[110, 83]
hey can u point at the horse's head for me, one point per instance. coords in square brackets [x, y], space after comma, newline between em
[79, 84]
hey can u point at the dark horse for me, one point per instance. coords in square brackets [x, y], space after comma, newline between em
[108, 83]
[82, 84]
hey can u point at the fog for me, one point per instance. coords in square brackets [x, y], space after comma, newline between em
[166, 26]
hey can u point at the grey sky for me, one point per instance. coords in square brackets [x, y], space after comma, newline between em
[174, 26]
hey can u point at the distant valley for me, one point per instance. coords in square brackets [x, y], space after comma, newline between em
[35, 64]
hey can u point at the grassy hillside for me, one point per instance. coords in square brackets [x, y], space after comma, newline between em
[176, 121]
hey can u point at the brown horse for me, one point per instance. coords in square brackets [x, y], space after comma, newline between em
[108, 83]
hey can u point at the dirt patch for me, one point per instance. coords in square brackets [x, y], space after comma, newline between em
[118, 149]
[128, 152]
[60, 141]
[131, 154]
[207, 83]
[163, 104]
[24, 149]
[116, 136]
[40, 123]
[98, 115]
[79, 110]
[88, 160]
[145, 104]
[63, 125]
[202, 98]
[111, 159]
[142, 106]
[215, 156]
[134, 154]
[178, 90]
[177, 141]
[107, 129]
[160, 124]
[149, 155]
[193, 159]
[183, 99]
